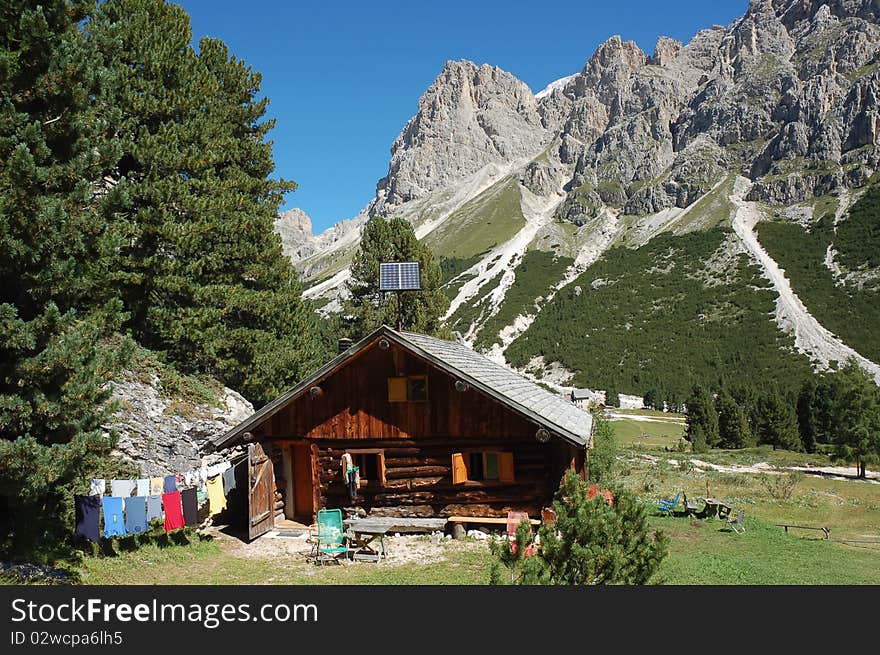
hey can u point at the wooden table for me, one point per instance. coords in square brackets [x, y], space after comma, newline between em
[363, 532]
[717, 507]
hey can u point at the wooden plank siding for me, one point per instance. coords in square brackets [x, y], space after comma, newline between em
[417, 440]
[354, 405]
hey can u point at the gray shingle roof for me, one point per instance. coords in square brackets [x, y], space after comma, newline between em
[556, 411]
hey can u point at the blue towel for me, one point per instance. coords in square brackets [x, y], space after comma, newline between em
[170, 483]
[136, 514]
[113, 522]
[154, 508]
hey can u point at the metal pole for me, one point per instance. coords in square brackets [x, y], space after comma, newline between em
[399, 313]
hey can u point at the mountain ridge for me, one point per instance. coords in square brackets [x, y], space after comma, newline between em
[630, 147]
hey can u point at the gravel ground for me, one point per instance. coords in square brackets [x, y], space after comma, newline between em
[401, 548]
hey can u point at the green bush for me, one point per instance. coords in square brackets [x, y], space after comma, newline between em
[591, 542]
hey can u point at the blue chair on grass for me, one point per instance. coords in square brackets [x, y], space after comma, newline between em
[666, 505]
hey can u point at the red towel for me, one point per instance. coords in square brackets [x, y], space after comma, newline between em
[173, 510]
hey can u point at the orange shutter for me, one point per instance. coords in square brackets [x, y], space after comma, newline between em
[396, 390]
[459, 469]
[381, 458]
[505, 467]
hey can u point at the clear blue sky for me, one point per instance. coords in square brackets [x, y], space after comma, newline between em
[344, 77]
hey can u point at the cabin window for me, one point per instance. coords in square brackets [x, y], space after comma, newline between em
[482, 466]
[417, 388]
[411, 388]
[371, 465]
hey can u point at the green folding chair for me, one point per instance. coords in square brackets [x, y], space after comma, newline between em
[331, 536]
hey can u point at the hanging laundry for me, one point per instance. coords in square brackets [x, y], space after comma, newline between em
[136, 514]
[190, 503]
[113, 522]
[170, 484]
[143, 487]
[217, 469]
[157, 486]
[154, 507]
[203, 474]
[122, 488]
[216, 499]
[189, 478]
[179, 479]
[228, 480]
[88, 517]
[173, 512]
[97, 487]
[201, 495]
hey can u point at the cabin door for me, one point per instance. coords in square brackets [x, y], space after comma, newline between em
[302, 496]
[261, 492]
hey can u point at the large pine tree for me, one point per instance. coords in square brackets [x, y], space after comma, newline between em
[55, 313]
[202, 273]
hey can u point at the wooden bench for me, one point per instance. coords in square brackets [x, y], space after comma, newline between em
[459, 523]
[827, 531]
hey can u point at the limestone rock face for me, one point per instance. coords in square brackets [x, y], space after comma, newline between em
[469, 117]
[295, 228]
[162, 435]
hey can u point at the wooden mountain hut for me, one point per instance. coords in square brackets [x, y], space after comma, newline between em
[434, 429]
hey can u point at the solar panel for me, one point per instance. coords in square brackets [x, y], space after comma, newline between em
[399, 276]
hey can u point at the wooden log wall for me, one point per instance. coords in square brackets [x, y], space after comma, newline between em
[418, 478]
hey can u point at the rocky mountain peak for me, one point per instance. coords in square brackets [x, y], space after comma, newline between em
[469, 117]
[666, 51]
[295, 228]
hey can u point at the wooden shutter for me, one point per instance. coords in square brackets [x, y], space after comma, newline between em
[396, 390]
[459, 469]
[505, 467]
[380, 458]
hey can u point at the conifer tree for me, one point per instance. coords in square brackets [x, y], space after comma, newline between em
[734, 430]
[807, 425]
[702, 420]
[367, 308]
[855, 425]
[55, 312]
[777, 421]
[591, 542]
[202, 272]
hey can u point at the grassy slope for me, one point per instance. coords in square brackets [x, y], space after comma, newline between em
[488, 220]
[652, 321]
[535, 276]
[851, 313]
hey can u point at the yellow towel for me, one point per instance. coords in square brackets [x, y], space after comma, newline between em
[216, 498]
[157, 486]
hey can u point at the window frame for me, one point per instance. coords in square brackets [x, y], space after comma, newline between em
[505, 465]
[380, 464]
[394, 395]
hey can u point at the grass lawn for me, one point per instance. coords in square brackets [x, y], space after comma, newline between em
[704, 552]
[647, 434]
[205, 561]
[671, 416]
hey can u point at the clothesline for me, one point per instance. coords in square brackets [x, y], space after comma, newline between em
[133, 503]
